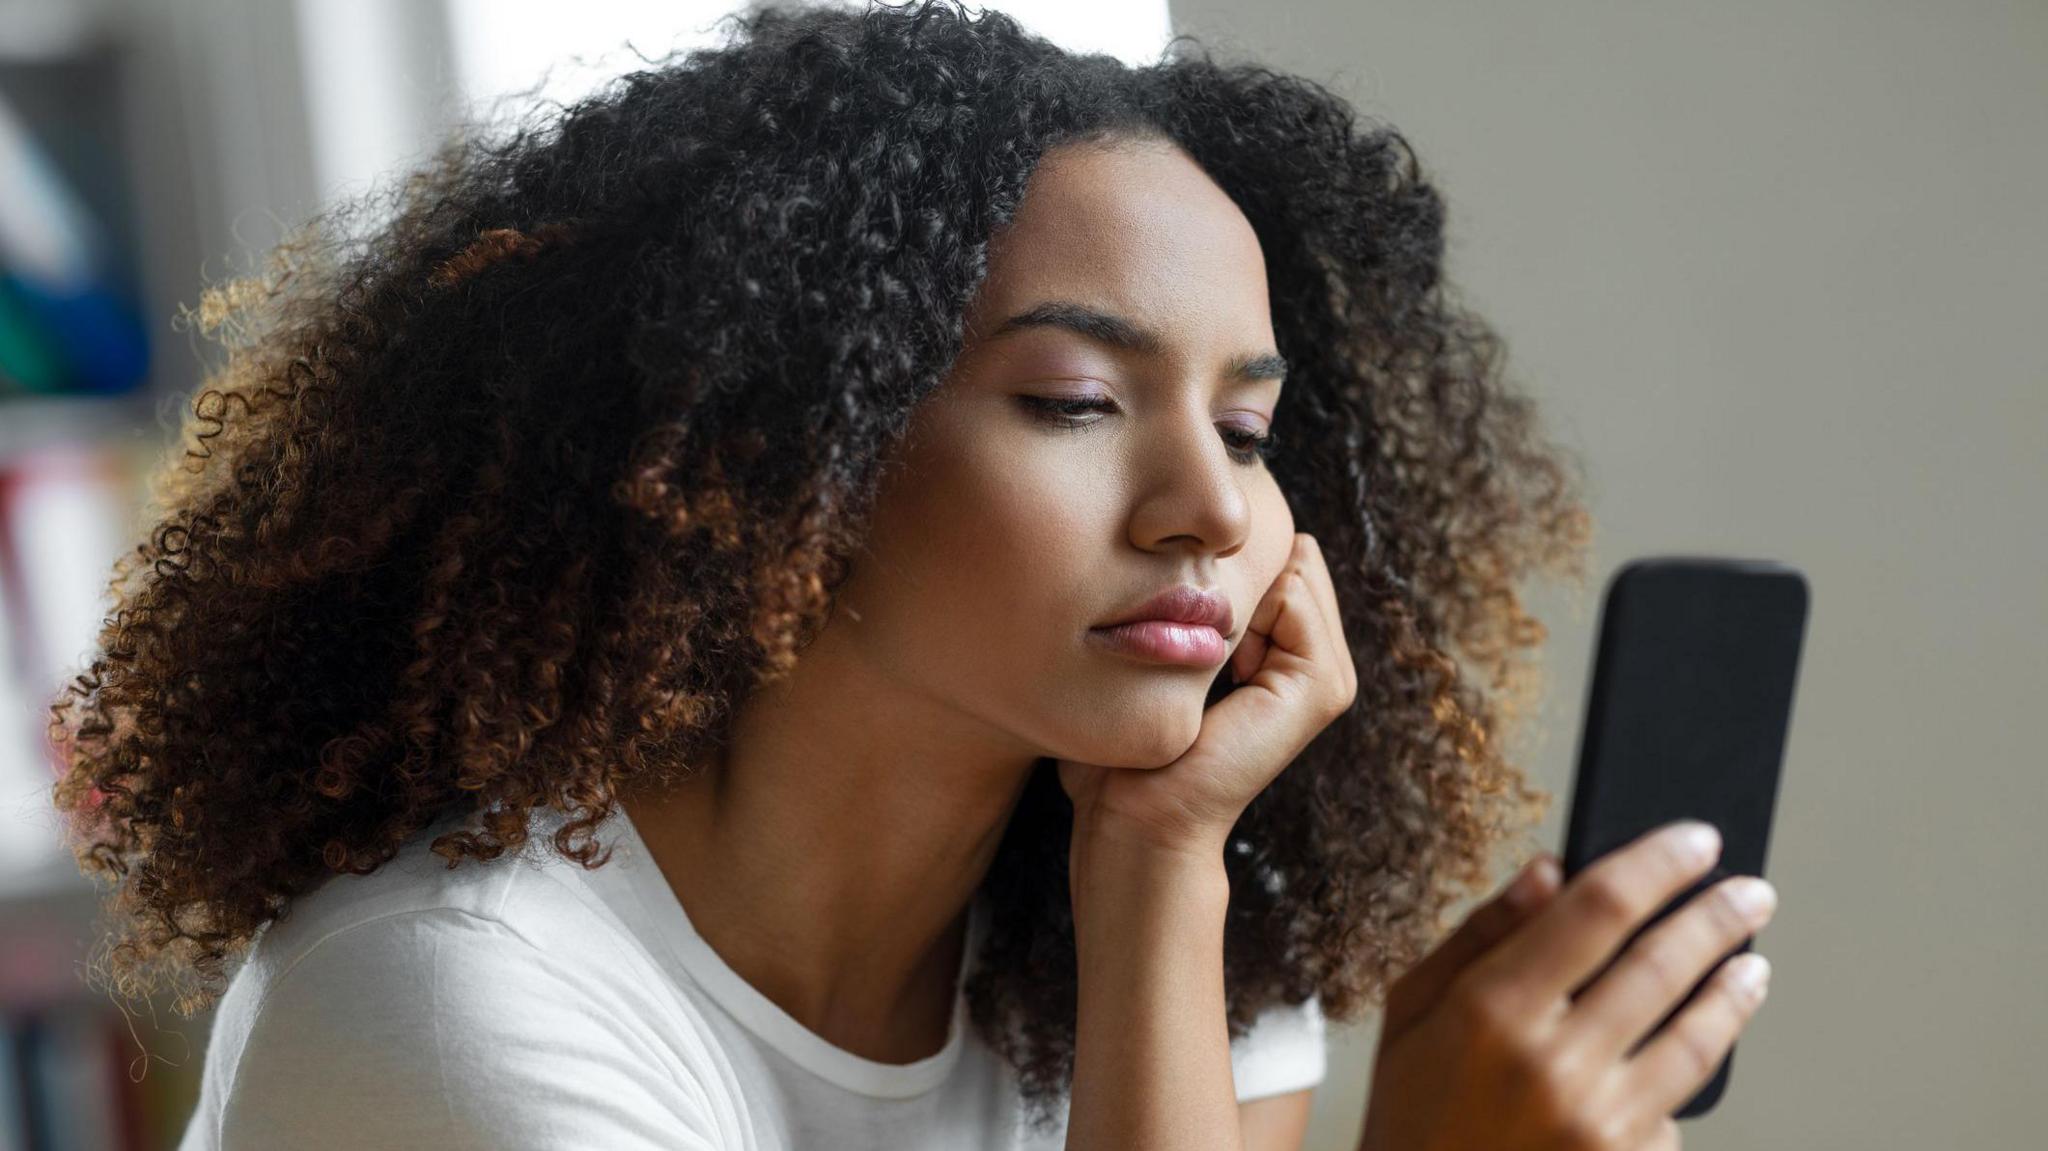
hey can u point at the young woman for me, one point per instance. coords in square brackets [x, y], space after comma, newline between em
[730, 503]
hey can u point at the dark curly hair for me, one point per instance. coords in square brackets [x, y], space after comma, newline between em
[506, 501]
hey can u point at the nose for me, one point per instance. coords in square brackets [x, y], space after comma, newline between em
[1190, 493]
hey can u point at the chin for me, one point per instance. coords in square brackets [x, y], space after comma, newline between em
[1141, 745]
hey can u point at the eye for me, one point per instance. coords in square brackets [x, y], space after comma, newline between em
[1252, 445]
[1062, 410]
[1244, 445]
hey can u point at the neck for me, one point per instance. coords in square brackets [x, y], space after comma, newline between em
[829, 857]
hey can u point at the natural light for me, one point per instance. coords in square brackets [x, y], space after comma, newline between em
[378, 95]
[509, 46]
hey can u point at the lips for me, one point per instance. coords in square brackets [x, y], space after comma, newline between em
[1182, 604]
[1156, 640]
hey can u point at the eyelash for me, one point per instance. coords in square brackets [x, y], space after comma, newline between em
[1057, 410]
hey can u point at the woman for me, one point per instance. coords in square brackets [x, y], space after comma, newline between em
[728, 500]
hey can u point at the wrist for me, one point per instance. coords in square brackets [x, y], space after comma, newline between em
[1126, 836]
[1109, 857]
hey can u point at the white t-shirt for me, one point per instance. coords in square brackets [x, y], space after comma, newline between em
[528, 1003]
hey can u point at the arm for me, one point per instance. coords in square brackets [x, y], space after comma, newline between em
[1152, 1039]
[1119, 1024]
[1152, 1047]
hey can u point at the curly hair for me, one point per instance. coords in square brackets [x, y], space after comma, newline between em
[506, 501]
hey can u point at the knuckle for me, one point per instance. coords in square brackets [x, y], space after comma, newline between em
[1296, 694]
[1480, 1007]
[1340, 699]
[1698, 1051]
[1592, 1129]
[1531, 1064]
[1606, 900]
[1496, 1022]
[1667, 962]
[1551, 1096]
[1649, 1132]
[1560, 1070]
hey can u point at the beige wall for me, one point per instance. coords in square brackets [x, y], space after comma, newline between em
[1780, 272]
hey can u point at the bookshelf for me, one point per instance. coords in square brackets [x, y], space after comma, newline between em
[191, 135]
[129, 170]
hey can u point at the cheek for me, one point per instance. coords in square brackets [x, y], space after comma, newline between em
[1272, 537]
[981, 583]
[975, 556]
[1017, 532]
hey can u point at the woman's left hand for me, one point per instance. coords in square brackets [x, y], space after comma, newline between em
[1295, 676]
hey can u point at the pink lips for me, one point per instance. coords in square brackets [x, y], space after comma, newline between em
[1183, 624]
[1195, 644]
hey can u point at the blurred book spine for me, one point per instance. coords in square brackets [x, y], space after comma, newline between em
[68, 317]
[68, 1084]
[77, 1069]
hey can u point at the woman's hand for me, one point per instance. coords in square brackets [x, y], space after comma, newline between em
[1151, 889]
[1519, 1032]
[1295, 674]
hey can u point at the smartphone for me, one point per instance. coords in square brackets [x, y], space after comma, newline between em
[1686, 718]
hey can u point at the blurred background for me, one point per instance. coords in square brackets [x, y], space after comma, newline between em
[1778, 272]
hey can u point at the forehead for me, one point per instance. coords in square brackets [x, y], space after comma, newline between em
[1136, 228]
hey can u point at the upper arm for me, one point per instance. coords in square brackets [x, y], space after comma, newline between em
[1275, 1122]
[438, 1029]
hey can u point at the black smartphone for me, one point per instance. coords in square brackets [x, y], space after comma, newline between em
[1690, 703]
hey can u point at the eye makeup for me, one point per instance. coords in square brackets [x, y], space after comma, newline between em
[1247, 446]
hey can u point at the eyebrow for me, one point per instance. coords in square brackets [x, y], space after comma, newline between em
[1118, 332]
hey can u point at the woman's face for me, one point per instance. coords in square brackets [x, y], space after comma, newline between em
[1002, 537]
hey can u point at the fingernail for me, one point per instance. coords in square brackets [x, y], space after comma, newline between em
[1698, 840]
[1750, 972]
[1533, 881]
[1752, 896]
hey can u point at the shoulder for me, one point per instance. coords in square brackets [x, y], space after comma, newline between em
[417, 901]
[487, 1005]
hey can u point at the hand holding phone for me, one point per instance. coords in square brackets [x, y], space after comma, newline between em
[1686, 718]
[1509, 1035]
[1595, 1000]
